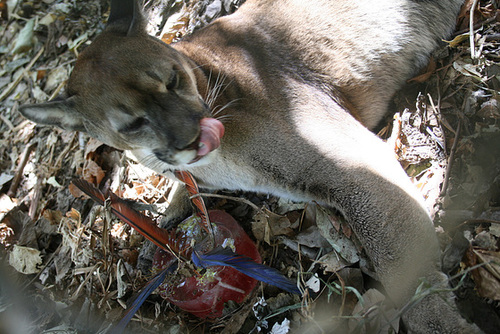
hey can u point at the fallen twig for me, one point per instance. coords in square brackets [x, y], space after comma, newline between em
[20, 168]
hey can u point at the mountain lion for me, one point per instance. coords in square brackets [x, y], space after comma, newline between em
[278, 98]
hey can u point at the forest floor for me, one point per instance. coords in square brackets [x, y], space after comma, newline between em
[64, 268]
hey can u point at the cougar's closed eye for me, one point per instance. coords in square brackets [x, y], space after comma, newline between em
[135, 125]
[173, 83]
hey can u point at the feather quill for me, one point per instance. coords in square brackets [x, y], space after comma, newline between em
[148, 289]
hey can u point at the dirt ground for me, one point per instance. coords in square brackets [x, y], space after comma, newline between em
[66, 267]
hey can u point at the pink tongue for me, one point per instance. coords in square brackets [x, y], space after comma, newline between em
[212, 131]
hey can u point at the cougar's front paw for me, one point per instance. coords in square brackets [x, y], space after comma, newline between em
[437, 313]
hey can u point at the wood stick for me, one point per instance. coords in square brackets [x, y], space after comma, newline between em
[20, 168]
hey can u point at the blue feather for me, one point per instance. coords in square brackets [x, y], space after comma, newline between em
[137, 303]
[225, 257]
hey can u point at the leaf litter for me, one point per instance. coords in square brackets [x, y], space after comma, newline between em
[77, 265]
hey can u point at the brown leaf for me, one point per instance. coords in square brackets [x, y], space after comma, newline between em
[91, 147]
[92, 172]
[487, 277]
[74, 215]
[53, 216]
[426, 73]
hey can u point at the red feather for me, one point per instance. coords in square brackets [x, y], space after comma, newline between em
[169, 241]
[194, 191]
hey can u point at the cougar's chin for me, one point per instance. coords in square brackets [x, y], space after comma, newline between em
[199, 152]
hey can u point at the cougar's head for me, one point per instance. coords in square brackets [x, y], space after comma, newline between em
[133, 92]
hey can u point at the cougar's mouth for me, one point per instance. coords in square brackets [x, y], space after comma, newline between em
[211, 132]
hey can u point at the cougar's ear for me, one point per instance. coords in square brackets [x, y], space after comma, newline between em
[126, 17]
[58, 113]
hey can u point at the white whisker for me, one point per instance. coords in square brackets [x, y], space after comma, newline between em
[216, 111]
[224, 118]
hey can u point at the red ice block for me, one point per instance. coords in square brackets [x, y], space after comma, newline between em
[205, 295]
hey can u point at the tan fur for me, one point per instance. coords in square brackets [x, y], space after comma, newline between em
[298, 85]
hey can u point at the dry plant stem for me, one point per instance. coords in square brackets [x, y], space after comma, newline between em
[395, 133]
[20, 168]
[78, 290]
[236, 199]
[450, 160]
[105, 238]
[16, 82]
[471, 29]
[437, 113]
[303, 217]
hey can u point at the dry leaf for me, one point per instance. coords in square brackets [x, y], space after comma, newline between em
[121, 284]
[6, 204]
[92, 172]
[311, 237]
[313, 283]
[341, 242]
[53, 216]
[333, 262]
[266, 225]
[25, 260]
[488, 277]
[24, 41]
[62, 263]
[74, 215]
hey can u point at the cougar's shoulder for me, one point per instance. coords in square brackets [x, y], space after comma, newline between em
[361, 52]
